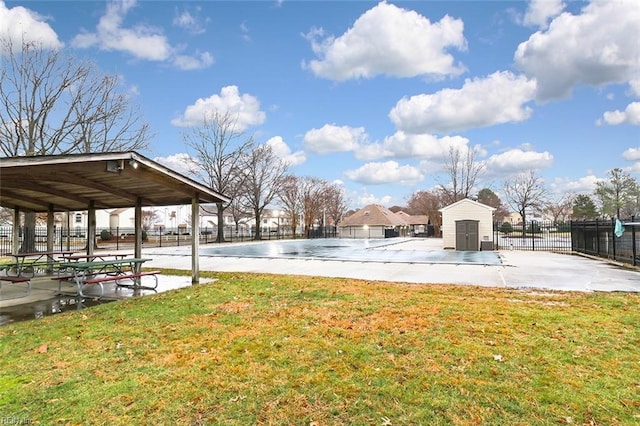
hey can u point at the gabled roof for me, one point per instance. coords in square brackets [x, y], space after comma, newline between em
[466, 201]
[418, 219]
[373, 215]
[108, 180]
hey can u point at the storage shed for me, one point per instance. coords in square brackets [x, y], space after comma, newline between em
[467, 225]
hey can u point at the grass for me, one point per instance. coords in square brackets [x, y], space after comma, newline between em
[279, 350]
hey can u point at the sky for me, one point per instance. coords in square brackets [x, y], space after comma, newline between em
[373, 95]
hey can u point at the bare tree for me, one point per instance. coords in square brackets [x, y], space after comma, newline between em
[264, 172]
[313, 196]
[525, 192]
[335, 203]
[220, 149]
[560, 208]
[149, 218]
[428, 203]
[238, 211]
[52, 103]
[290, 198]
[463, 171]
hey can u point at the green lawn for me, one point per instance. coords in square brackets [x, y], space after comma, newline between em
[279, 350]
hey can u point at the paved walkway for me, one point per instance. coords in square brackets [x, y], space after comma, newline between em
[519, 269]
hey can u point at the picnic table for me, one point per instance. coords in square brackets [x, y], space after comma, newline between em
[93, 257]
[125, 272]
[26, 264]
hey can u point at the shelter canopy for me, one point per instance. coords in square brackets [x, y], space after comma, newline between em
[109, 180]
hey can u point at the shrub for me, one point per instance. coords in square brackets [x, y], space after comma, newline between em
[105, 235]
[506, 228]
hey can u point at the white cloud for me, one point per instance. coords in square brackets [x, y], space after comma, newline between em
[245, 108]
[539, 12]
[388, 40]
[635, 168]
[181, 163]
[282, 150]
[189, 21]
[365, 198]
[140, 41]
[193, 62]
[632, 154]
[387, 172]
[331, 138]
[596, 47]
[631, 115]
[19, 24]
[583, 185]
[517, 160]
[498, 98]
[403, 145]
[244, 30]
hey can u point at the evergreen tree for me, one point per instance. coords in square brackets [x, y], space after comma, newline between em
[584, 208]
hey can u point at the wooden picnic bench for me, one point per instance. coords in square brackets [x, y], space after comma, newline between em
[28, 264]
[100, 272]
[15, 280]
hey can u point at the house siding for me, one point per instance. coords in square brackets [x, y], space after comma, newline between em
[362, 232]
[466, 210]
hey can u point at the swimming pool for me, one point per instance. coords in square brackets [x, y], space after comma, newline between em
[392, 250]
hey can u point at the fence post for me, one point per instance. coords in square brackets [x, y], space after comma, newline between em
[613, 237]
[598, 238]
[634, 249]
[533, 235]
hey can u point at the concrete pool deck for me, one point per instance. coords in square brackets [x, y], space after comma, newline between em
[513, 269]
[518, 269]
[506, 269]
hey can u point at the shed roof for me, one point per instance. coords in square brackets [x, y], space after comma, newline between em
[373, 215]
[110, 180]
[466, 201]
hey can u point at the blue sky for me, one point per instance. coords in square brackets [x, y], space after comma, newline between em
[373, 94]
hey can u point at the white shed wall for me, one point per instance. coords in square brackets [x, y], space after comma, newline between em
[466, 211]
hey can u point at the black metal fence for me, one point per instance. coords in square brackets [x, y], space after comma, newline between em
[598, 238]
[123, 238]
[592, 237]
[535, 235]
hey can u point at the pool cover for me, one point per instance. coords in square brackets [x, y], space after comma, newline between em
[372, 250]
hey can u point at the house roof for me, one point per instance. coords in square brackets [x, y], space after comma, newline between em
[109, 180]
[418, 219]
[374, 215]
[466, 201]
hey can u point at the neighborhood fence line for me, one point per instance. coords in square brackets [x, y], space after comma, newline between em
[598, 238]
[122, 238]
[535, 235]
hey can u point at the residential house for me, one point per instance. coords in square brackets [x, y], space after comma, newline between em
[419, 225]
[373, 221]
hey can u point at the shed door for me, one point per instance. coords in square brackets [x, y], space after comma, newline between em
[467, 235]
